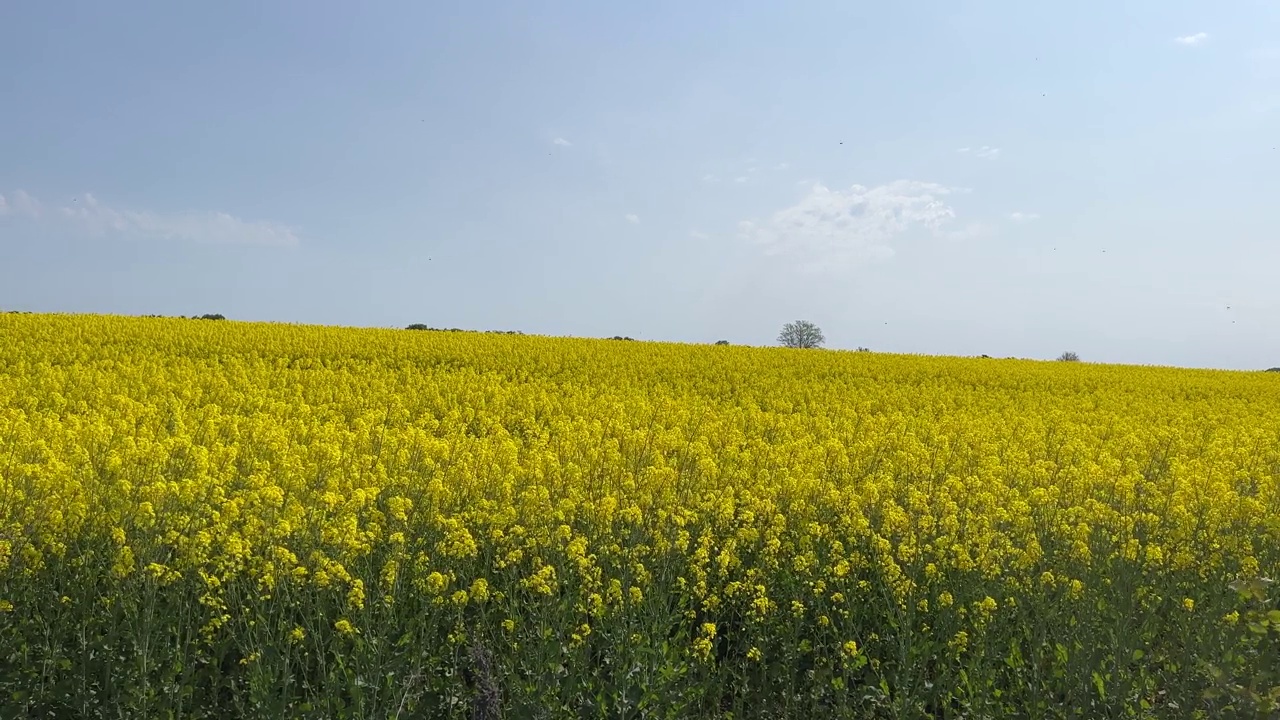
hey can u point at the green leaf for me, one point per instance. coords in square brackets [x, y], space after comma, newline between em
[1138, 654]
[1253, 588]
[1100, 685]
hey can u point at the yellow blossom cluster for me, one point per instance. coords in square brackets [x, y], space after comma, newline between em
[743, 489]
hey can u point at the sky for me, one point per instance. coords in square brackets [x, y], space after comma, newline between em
[945, 178]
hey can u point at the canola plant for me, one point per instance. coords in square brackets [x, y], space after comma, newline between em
[217, 519]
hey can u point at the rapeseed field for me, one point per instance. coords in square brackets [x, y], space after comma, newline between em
[204, 519]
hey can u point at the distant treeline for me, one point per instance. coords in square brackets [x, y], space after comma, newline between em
[206, 316]
[420, 326]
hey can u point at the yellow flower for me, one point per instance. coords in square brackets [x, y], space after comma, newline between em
[345, 627]
[761, 606]
[580, 634]
[479, 590]
[124, 564]
[297, 634]
[1188, 604]
[390, 572]
[436, 583]
[355, 596]
[702, 649]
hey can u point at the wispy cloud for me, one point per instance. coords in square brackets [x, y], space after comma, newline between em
[21, 204]
[88, 215]
[632, 218]
[741, 179]
[1021, 217]
[1192, 40]
[561, 142]
[829, 228]
[986, 151]
[696, 235]
[709, 178]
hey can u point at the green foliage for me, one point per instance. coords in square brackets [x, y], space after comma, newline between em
[1246, 679]
[83, 643]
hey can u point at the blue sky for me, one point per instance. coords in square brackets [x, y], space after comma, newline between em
[943, 178]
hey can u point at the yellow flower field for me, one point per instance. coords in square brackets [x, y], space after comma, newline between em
[216, 519]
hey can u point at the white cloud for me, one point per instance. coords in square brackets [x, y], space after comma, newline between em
[22, 204]
[833, 227]
[781, 166]
[962, 150]
[709, 178]
[696, 235]
[1192, 40]
[1020, 217]
[986, 151]
[632, 218]
[562, 142]
[741, 179]
[89, 215]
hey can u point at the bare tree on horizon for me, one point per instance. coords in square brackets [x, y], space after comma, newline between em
[801, 334]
